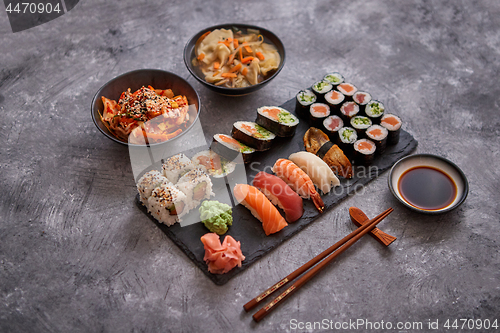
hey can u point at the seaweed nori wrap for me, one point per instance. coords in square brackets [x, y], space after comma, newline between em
[303, 100]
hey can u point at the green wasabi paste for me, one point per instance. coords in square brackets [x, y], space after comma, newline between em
[216, 216]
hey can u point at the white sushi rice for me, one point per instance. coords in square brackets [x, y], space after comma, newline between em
[374, 109]
[355, 109]
[175, 166]
[328, 123]
[342, 88]
[148, 182]
[335, 78]
[389, 126]
[189, 181]
[316, 114]
[334, 97]
[162, 198]
[362, 150]
[367, 97]
[322, 87]
[306, 97]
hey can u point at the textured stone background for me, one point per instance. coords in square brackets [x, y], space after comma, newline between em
[76, 255]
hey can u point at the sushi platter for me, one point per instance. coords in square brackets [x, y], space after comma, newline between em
[246, 229]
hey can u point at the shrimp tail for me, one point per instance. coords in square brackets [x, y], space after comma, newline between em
[318, 202]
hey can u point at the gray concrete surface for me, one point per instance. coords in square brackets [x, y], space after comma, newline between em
[76, 255]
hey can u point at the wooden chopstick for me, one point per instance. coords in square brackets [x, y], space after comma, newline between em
[354, 237]
[254, 302]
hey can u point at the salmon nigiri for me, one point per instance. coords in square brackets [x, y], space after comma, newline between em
[260, 207]
[298, 180]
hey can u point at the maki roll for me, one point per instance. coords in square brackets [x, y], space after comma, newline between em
[318, 113]
[347, 137]
[393, 125]
[362, 98]
[334, 99]
[360, 124]
[228, 148]
[347, 89]
[375, 110]
[332, 124]
[252, 135]
[176, 166]
[168, 204]
[364, 152]
[148, 182]
[378, 134]
[303, 101]
[348, 110]
[213, 164]
[277, 120]
[320, 88]
[196, 185]
[334, 78]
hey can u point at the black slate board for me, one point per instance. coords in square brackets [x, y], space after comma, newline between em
[248, 230]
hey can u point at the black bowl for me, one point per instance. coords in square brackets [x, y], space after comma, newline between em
[135, 80]
[269, 37]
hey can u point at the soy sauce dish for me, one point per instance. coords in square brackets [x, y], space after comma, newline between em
[428, 184]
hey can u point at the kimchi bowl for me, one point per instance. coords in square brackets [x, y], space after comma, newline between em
[145, 107]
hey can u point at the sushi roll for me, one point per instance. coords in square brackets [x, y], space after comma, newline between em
[360, 124]
[167, 204]
[260, 207]
[393, 124]
[303, 101]
[280, 194]
[364, 152]
[334, 78]
[176, 166]
[253, 135]
[320, 88]
[229, 148]
[318, 113]
[213, 164]
[348, 110]
[347, 137]
[299, 181]
[375, 110]
[362, 98]
[148, 182]
[348, 89]
[378, 134]
[196, 185]
[332, 124]
[277, 120]
[317, 169]
[334, 100]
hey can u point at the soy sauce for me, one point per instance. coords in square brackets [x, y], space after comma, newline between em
[427, 188]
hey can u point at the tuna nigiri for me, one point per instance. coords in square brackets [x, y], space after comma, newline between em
[319, 172]
[276, 190]
[298, 180]
[260, 207]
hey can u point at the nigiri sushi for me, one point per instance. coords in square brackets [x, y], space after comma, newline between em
[298, 180]
[319, 172]
[276, 190]
[260, 207]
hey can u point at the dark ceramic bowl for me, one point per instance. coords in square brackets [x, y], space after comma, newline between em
[269, 37]
[435, 162]
[136, 79]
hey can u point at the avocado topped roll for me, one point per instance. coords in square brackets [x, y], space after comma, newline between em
[375, 110]
[334, 78]
[320, 88]
[253, 135]
[277, 120]
[303, 101]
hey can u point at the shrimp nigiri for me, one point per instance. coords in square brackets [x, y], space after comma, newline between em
[298, 180]
[260, 207]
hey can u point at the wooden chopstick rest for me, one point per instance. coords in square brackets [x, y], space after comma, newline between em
[358, 217]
